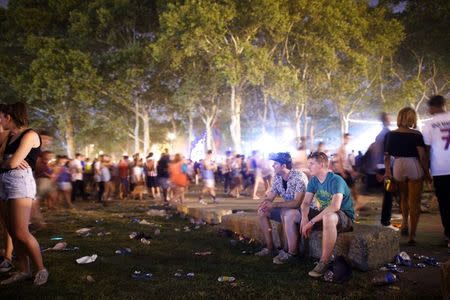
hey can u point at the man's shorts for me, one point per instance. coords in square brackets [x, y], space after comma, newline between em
[17, 184]
[151, 182]
[209, 183]
[277, 213]
[44, 187]
[344, 222]
[164, 182]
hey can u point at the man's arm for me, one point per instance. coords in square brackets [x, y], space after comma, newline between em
[298, 198]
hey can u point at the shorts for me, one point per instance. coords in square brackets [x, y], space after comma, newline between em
[44, 187]
[407, 168]
[276, 214]
[209, 183]
[64, 186]
[17, 184]
[164, 182]
[151, 182]
[344, 222]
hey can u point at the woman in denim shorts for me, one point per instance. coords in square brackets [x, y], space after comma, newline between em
[18, 190]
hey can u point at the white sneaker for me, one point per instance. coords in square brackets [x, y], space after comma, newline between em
[41, 277]
[263, 252]
[203, 202]
[282, 258]
[5, 266]
[391, 227]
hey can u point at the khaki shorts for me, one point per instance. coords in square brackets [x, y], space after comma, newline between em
[44, 187]
[344, 224]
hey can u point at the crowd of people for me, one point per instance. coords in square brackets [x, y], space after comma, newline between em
[318, 189]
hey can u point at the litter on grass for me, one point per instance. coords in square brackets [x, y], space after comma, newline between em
[86, 259]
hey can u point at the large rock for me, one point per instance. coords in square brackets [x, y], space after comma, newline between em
[247, 224]
[201, 212]
[366, 247]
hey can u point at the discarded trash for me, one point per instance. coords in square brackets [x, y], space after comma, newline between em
[186, 229]
[403, 259]
[203, 253]
[157, 231]
[431, 261]
[339, 271]
[58, 247]
[89, 278]
[141, 275]
[197, 227]
[56, 238]
[247, 252]
[157, 213]
[145, 241]
[123, 251]
[87, 259]
[177, 274]
[190, 274]
[394, 268]
[420, 265]
[177, 229]
[145, 222]
[384, 279]
[83, 231]
[226, 279]
[139, 236]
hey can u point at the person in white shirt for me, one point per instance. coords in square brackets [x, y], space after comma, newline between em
[76, 170]
[436, 134]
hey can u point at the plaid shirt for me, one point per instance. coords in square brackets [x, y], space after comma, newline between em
[296, 183]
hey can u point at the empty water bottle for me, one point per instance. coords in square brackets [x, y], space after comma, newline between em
[384, 279]
[226, 279]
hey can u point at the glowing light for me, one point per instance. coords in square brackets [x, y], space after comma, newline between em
[171, 136]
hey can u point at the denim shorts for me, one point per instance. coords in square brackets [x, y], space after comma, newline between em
[16, 184]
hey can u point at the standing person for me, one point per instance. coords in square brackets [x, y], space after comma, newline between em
[104, 191]
[336, 212]
[377, 157]
[290, 185]
[138, 179]
[6, 263]
[178, 177]
[209, 185]
[163, 175]
[76, 169]
[46, 189]
[407, 147]
[151, 176]
[63, 180]
[436, 134]
[226, 170]
[236, 176]
[124, 175]
[256, 165]
[267, 175]
[18, 189]
[344, 167]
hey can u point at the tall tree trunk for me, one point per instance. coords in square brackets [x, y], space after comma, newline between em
[69, 134]
[299, 108]
[235, 126]
[190, 132]
[344, 121]
[306, 122]
[265, 110]
[136, 127]
[146, 124]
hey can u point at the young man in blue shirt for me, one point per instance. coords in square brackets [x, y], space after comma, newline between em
[335, 212]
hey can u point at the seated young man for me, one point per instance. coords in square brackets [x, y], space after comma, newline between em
[336, 212]
[290, 184]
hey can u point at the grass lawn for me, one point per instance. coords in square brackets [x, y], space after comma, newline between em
[171, 252]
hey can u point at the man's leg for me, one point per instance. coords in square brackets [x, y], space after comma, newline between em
[266, 228]
[441, 186]
[330, 222]
[291, 218]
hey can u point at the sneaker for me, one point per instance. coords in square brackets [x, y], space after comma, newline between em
[391, 227]
[282, 258]
[16, 277]
[263, 252]
[5, 266]
[41, 277]
[318, 270]
[203, 202]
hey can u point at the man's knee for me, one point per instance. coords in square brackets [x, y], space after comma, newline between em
[330, 220]
[291, 216]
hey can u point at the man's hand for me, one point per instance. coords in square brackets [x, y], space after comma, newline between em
[23, 165]
[303, 223]
[306, 229]
[264, 208]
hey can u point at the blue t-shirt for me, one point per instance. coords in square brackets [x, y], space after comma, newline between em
[324, 191]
